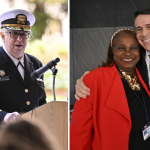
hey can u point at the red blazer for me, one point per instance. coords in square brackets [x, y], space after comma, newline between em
[102, 121]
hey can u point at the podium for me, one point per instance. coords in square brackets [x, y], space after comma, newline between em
[55, 117]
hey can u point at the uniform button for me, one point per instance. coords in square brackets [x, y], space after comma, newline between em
[27, 102]
[26, 90]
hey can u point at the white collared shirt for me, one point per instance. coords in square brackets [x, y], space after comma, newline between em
[147, 59]
[16, 61]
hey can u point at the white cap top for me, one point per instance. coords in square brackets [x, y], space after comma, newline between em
[10, 17]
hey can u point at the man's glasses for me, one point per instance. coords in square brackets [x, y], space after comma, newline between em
[24, 35]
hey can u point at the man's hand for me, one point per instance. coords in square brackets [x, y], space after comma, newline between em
[11, 117]
[81, 89]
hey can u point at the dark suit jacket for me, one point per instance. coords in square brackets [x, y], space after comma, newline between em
[142, 68]
[13, 96]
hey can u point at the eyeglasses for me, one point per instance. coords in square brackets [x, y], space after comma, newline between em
[24, 35]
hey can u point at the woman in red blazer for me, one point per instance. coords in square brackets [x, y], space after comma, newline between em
[109, 118]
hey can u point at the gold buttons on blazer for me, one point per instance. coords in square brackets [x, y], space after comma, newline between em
[26, 90]
[27, 102]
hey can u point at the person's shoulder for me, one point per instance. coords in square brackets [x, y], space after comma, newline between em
[101, 74]
[1, 49]
[103, 70]
[32, 58]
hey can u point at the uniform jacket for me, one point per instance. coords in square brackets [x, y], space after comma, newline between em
[14, 91]
[102, 121]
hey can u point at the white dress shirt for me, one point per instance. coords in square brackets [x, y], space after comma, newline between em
[16, 61]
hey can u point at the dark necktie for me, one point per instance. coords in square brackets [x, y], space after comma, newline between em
[19, 63]
[20, 69]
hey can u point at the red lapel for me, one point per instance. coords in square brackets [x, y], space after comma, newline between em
[117, 98]
[142, 82]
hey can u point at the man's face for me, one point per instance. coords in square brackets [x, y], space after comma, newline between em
[142, 28]
[15, 47]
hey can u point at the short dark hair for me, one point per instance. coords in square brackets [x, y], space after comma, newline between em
[145, 11]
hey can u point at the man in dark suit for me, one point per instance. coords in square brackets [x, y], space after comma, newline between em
[142, 29]
[19, 93]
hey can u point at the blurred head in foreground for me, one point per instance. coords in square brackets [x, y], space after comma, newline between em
[24, 135]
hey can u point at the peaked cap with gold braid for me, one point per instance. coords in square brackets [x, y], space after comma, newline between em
[17, 20]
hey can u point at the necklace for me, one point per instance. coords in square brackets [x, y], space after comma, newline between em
[132, 81]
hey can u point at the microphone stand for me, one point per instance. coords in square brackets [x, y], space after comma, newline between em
[54, 72]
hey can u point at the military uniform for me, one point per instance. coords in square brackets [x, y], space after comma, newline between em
[18, 91]
[17, 94]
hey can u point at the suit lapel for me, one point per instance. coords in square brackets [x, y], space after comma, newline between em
[28, 68]
[142, 82]
[9, 64]
[142, 68]
[117, 98]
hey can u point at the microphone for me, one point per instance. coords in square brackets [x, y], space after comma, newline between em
[37, 73]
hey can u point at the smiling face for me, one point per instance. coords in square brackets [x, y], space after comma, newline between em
[142, 28]
[15, 47]
[126, 52]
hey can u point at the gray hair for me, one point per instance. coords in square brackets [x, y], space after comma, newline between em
[3, 30]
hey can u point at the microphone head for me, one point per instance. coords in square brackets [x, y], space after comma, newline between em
[53, 63]
[56, 60]
[37, 73]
